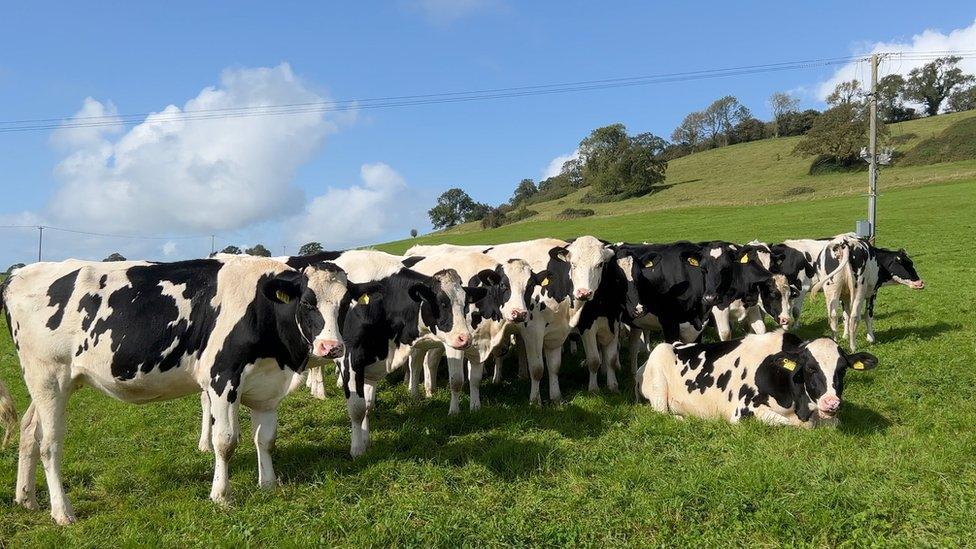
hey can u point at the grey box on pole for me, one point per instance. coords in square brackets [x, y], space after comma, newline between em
[863, 228]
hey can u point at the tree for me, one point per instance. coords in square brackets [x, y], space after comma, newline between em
[721, 116]
[231, 250]
[750, 129]
[932, 83]
[494, 218]
[889, 95]
[476, 212]
[452, 207]
[615, 164]
[525, 189]
[781, 103]
[963, 99]
[691, 131]
[310, 248]
[846, 93]
[573, 170]
[116, 256]
[413, 233]
[838, 135]
[258, 250]
[796, 123]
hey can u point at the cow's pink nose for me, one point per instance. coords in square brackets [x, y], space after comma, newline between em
[518, 315]
[462, 341]
[329, 348]
[784, 321]
[829, 404]
[918, 284]
[583, 293]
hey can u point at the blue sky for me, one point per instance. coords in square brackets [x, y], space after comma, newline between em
[368, 176]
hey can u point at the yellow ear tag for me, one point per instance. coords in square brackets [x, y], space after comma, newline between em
[692, 261]
[545, 281]
[649, 264]
[789, 364]
[282, 296]
[858, 365]
[363, 299]
[745, 259]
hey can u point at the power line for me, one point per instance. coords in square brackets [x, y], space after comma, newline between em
[445, 97]
[106, 235]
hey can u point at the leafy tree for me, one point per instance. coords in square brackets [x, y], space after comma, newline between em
[413, 233]
[781, 103]
[932, 83]
[526, 189]
[691, 131]
[258, 250]
[721, 116]
[846, 93]
[494, 218]
[963, 99]
[116, 256]
[452, 207]
[796, 123]
[889, 95]
[750, 129]
[310, 248]
[838, 135]
[231, 250]
[14, 267]
[616, 164]
[573, 170]
[476, 212]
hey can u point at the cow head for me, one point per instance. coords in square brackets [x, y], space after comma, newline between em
[443, 306]
[717, 265]
[628, 269]
[775, 298]
[585, 257]
[671, 269]
[816, 371]
[509, 286]
[313, 297]
[900, 267]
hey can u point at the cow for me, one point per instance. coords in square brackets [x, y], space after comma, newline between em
[495, 318]
[396, 310]
[138, 332]
[777, 293]
[851, 272]
[575, 268]
[775, 377]
[797, 260]
[736, 285]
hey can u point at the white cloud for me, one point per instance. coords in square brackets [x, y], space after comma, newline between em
[192, 176]
[169, 248]
[555, 166]
[445, 12]
[927, 41]
[383, 205]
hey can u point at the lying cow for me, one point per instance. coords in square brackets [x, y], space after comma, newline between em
[239, 330]
[775, 377]
[851, 272]
[509, 285]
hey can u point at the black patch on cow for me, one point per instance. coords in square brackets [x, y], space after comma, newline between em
[409, 262]
[88, 305]
[58, 294]
[299, 262]
[723, 380]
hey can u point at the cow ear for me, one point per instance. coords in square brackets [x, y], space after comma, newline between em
[559, 253]
[284, 287]
[489, 277]
[473, 294]
[608, 251]
[364, 293]
[422, 292]
[862, 361]
[648, 261]
[692, 258]
[542, 277]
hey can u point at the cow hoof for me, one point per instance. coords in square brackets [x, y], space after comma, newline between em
[475, 406]
[453, 411]
[870, 338]
[65, 519]
[270, 484]
[29, 503]
[613, 388]
[204, 447]
[222, 500]
[355, 452]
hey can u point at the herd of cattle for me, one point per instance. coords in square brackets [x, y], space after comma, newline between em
[240, 330]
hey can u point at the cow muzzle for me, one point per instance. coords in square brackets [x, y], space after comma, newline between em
[327, 348]
[461, 341]
[709, 299]
[784, 321]
[584, 294]
[829, 405]
[639, 311]
[518, 315]
[916, 284]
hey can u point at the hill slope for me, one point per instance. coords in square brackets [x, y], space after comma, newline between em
[760, 172]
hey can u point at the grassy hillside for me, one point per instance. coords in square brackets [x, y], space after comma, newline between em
[763, 172]
[597, 470]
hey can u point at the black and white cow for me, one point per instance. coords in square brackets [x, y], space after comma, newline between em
[239, 330]
[494, 319]
[775, 377]
[797, 260]
[734, 286]
[851, 272]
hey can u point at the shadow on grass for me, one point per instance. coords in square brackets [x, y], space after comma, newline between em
[921, 332]
[859, 421]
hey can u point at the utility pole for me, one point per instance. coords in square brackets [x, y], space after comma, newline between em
[873, 151]
[40, 240]
[212, 248]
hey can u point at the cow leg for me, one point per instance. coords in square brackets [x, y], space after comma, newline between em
[496, 375]
[316, 382]
[206, 423]
[264, 426]
[49, 397]
[754, 317]
[455, 377]
[432, 362]
[635, 344]
[533, 356]
[591, 349]
[554, 360]
[476, 371]
[611, 359]
[857, 303]
[833, 310]
[769, 417]
[30, 454]
[226, 434]
[722, 323]
[521, 355]
[869, 317]
[369, 391]
[356, 407]
[415, 371]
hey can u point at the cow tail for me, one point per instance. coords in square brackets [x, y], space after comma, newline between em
[8, 415]
[844, 263]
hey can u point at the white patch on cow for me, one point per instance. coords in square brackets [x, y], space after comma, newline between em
[715, 252]
[626, 265]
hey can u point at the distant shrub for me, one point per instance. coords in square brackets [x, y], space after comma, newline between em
[824, 165]
[519, 215]
[797, 191]
[575, 213]
[591, 198]
[493, 219]
[955, 143]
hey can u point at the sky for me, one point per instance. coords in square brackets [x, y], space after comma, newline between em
[358, 176]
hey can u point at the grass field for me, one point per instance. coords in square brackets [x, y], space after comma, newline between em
[596, 470]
